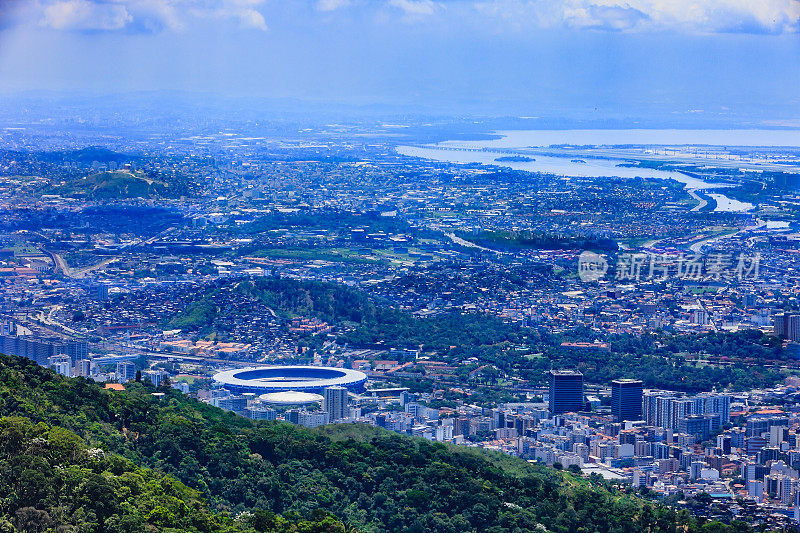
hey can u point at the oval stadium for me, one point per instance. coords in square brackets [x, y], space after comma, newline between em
[266, 379]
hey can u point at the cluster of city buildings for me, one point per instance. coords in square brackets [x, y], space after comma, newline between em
[95, 285]
[744, 454]
[423, 261]
[302, 408]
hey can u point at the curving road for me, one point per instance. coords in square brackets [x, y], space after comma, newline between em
[77, 273]
[694, 195]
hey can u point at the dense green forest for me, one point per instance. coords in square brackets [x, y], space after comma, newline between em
[85, 156]
[326, 301]
[73, 173]
[539, 241]
[77, 457]
[661, 360]
[58, 470]
[49, 477]
[332, 220]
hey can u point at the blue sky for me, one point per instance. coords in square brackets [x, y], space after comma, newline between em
[527, 56]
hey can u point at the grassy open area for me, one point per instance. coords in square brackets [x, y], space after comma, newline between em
[21, 248]
[339, 255]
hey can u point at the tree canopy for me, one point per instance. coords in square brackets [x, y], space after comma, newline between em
[103, 460]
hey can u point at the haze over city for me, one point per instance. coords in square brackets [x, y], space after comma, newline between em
[732, 59]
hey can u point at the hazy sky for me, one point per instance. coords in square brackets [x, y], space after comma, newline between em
[689, 56]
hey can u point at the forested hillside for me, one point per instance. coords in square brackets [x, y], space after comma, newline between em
[51, 481]
[660, 359]
[72, 453]
[48, 477]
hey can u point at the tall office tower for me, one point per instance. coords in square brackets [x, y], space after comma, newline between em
[755, 489]
[566, 391]
[724, 443]
[750, 300]
[796, 511]
[334, 402]
[779, 324]
[83, 367]
[126, 371]
[787, 325]
[793, 328]
[626, 399]
[777, 435]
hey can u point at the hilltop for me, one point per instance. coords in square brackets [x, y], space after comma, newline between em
[89, 155]
[164, 457]
[118, 184]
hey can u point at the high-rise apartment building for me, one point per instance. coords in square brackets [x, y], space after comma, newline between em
[334, 402]
[787, 325]
[61, 364]
[667, 409]
[83, 367]
[155, 376]
[126, 371]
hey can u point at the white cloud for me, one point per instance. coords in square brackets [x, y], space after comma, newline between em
[611, 18]
[157, 14]
[250, 18]
[751, 16]
[414, 7]
[145, 15]
[332, 5]
[242, 11]
[680, 16]
[688, 16]
[85, 16]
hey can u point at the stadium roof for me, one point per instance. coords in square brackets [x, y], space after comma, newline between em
[289, 378]
[291, 397]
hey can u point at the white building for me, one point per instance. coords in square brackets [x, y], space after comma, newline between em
[312, 420]
[156, 376]
[444, 433]
[756, 490]
[83, 367]
[61, 364]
